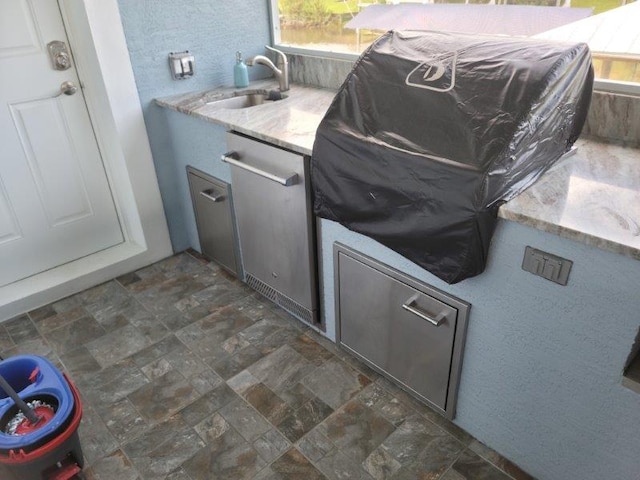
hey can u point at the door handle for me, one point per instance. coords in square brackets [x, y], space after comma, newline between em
[67, 88]
[233, 158]
[210, 195]
[410, 306]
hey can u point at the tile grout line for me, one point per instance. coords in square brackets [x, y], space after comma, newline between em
[452, 463]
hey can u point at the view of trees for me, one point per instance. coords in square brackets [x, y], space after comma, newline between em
[320, 25]
[305, 13]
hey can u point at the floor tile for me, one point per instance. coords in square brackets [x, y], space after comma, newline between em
[108, 296]
[164, 448]
[315, 445]
[157, 350]
[128, 279]
[114, 466]
[424, 410]
[271, 445]
[272, 407]
[337, 465]
[5, 340]
[211, 428]
[261, 329]
[281, 369]
[113, 383]
[471, 467]
[304, 419]
[186, 373]
[75, 334]
[56, 320]
[68, 303]
[311, 350]
[174, 319]
[179, 474]
[242, 382]
[228, 367]
[163, 397]
[35, 346]
[421, 448]
[498, 460]
[297, 395]
[380, 464]
[41, 313]
[123, 420]
[335, 382]
[293, 466]
[21, 328]
[96, 440]
[356, 430]
[227, 457]
[245, 419]
[384, 403]
[117, 345]
[207, 404]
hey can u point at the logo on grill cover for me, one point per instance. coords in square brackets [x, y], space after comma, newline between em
[437, 73]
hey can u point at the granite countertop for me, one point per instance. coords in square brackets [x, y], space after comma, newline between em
[591, 197]
[290, 123]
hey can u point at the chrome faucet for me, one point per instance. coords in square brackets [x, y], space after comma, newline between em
[280, 70]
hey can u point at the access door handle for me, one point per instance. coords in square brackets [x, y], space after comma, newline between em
[210, 194]
[410, 306]
[233, 158]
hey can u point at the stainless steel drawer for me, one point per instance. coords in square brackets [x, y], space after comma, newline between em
[212, 205]
[405, 329]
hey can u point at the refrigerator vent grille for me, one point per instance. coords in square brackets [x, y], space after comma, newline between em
[294, 308]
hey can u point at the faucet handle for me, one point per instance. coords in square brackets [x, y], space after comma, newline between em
[281, 58]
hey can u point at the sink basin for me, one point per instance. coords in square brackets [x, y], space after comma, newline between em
[248, 99]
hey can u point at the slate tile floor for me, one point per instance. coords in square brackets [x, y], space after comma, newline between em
[187, 374]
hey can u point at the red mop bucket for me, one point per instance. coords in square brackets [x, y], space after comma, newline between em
[47, 448]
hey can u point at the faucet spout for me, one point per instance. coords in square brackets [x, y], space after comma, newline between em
[281, 71]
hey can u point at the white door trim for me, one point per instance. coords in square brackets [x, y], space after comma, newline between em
[102, 58]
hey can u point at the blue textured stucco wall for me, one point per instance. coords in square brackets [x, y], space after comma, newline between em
[541, 379]
[212, 30]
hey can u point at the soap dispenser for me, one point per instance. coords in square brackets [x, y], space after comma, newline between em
[240, 73]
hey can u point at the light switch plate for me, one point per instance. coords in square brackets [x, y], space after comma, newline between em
[181, 65]
[546, 265]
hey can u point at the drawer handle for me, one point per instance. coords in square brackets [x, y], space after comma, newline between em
[409, 307]
[233, 158]
[210, 195]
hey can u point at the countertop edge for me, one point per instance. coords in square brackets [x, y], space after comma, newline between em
[576, 235]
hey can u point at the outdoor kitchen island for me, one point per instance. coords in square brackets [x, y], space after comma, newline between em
[541, 380]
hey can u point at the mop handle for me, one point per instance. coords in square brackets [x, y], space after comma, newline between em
[28, 412]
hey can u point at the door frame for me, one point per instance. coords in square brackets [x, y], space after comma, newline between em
[102, 59]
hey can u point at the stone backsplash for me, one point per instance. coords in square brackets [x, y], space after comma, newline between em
[612, 117]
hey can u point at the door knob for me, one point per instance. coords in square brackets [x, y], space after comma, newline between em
[68, 88]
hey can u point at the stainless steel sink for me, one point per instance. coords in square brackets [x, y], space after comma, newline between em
[248, 99]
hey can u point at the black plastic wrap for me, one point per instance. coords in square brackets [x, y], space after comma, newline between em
[431, 132]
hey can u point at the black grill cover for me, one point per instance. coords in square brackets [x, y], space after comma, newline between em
[431, 132]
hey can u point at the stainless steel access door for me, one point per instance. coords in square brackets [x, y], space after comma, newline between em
[273, 209]
[400, 327]
[212, 206]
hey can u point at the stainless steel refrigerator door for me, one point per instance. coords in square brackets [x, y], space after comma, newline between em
[273, 209]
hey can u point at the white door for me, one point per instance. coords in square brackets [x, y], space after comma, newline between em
[55, 202]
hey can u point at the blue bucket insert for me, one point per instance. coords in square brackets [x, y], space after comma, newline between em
[49, 382]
